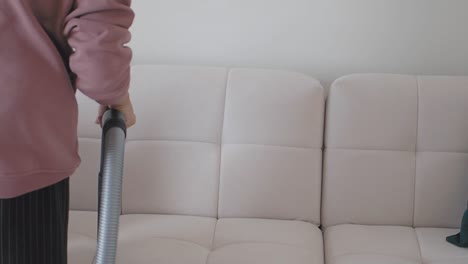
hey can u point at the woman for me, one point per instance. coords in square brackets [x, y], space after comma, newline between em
[48, 49]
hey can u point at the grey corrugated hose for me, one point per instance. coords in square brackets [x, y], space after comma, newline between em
[110, 186]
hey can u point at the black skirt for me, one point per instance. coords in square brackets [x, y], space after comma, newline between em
[34, 226]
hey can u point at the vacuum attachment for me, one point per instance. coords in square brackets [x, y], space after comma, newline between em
[114, 133]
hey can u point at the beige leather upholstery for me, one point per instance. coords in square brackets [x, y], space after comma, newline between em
[242, 146]
[225, 166]
[359, 244]
[173, 153]
[165, 239]
[395, 159]
[272, 139]
[434, 248]
[346, 244]
[82, 236]
[253, 241]
[370, 150]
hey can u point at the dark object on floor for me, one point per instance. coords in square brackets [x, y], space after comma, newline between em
[461, 239]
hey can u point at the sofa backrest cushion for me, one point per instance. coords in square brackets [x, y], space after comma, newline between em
[271, 161]
[396, 151]
[215, 142]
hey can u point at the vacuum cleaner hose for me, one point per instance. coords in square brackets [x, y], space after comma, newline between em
[110, 186]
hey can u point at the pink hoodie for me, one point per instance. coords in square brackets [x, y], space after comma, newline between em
[48, 49]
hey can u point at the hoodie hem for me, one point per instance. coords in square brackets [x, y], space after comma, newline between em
[11, 187]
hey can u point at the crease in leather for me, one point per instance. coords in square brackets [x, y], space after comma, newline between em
[212, 239]
[83, 235]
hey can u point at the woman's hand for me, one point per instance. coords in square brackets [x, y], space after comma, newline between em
[125, 107]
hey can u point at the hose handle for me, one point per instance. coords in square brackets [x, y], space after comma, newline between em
[113, 118]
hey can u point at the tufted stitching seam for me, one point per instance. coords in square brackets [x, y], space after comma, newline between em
[450, 258]
[163, 238]
[395, 150]
[416, 151]
[159, 140]
[371, 253]
[211, 143]
[416, 168]
[263, 242]
[274, 146]
[368, 149]
[284, 146]
[228, 76]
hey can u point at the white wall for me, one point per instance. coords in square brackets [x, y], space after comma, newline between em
[323, 38]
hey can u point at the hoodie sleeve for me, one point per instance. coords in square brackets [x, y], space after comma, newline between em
[97, 31]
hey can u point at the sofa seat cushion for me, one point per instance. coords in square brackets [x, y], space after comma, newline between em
[436, 250]
[188, 239]
[253, 241]
[82, 233]
[146, 239]
[359, 244]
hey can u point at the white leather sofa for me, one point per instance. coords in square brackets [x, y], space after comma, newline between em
[395, 169]
[225, 166]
